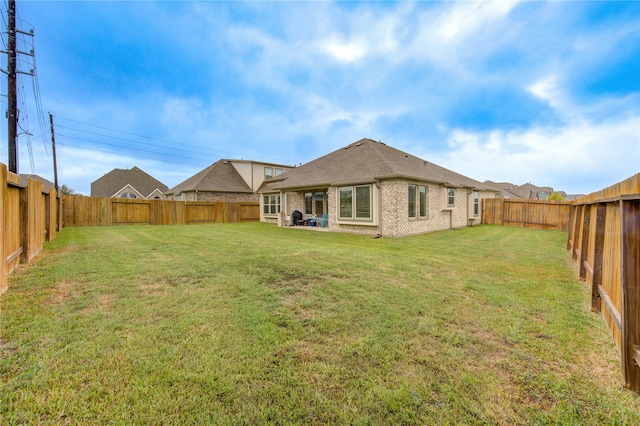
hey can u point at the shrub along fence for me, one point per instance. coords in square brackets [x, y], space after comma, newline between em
[79, 210]
[28, 218]
[604, 238]
[543, 214]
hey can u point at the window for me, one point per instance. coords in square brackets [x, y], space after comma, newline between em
[314, 203]
[412, 200]
[451, 196]
[268, 172]
[271, 204]
[363, 202]
[319, 203]
[346, 202]
[422, 200]
[476, 203]
[417, 200]
[308, 203]
[355, 202]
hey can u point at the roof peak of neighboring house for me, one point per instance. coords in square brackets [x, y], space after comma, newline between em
[367, 160]
[24, 178]
[113, 181]
[526, 190]
[220, 176]
[265, 163]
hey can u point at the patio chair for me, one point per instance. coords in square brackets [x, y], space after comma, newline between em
[323, 220]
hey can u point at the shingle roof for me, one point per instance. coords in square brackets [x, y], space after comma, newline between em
[367, 161]
[47, 184]
[116, 179]
[221, 176]
[525, 191]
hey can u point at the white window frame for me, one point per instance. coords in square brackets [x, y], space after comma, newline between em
[271, 204]
[451, 197]
[268, 172]
[420, 208]
[354, 204]
[476, 203]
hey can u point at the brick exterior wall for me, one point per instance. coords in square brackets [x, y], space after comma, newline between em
[391, 210]
[229, 197]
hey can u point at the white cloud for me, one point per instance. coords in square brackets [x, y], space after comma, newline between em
[464, 19]
[345, 51]
[600, 154]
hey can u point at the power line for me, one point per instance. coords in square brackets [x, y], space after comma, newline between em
[140, 136]
[126, 155]
[171, 154]
[127, 140]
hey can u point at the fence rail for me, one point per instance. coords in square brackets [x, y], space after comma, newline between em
[28, 218]
[604, 238]
[31, 214]
[93, 211]
[542, 214]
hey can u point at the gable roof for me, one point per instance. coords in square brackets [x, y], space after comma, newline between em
[367, 161]
[24, 178]
[525, 191]
[221, 176]
[116, 179]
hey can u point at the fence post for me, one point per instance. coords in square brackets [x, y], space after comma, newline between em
[584, 249]
[576, 232]
[630, 268]
[24, 223]
[598, 254]
[3, 255]
[571, 237]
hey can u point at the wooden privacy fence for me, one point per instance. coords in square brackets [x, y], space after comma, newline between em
[79, 210]
[28, 217]
[543, 214]
[604, 238]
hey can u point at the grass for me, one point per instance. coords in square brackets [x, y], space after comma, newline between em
[252, 324]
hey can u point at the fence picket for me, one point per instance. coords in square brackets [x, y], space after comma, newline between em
[610, 248]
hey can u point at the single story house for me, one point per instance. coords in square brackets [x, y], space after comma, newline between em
[524, 191]
[228, 181]
[128, 183]
[370, 188]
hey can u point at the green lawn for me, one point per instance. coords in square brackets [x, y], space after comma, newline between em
[254, 324]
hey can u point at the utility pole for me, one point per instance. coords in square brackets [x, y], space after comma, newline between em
[12, 91]
[55, 162]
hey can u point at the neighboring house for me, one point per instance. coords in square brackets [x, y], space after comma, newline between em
[227, 180]
[525, 191]
[371, 188]
[48, 185]
[128, 183]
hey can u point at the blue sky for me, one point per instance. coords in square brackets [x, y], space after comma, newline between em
[541, 92]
